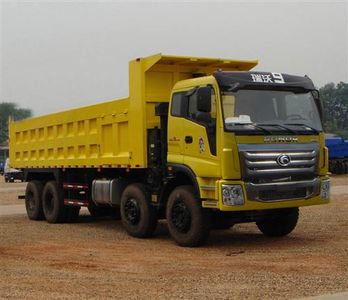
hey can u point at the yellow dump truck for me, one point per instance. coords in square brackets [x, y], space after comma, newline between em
[202, 142]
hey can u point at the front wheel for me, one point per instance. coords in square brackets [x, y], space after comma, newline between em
[138, 216]
[188, 222]
[281, 224]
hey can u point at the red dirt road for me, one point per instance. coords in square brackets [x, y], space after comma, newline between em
[97, 259]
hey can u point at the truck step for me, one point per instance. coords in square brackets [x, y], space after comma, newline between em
[69, 186]
[75, 202]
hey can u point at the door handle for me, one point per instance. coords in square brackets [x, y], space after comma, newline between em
[188, 139]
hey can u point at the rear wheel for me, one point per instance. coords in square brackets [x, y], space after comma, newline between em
[33, 200]
[280, 224]
[138, 216]
[53, 203]
[342, 168]
[188, 222]
[346, 167]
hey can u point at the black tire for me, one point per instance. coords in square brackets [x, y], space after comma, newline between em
[137, 214]
[33, 200]
[346, 167]
[188, 222]
[72, 213]
[331, 169]
[279, 224]
[334, 168]
[343, 168]
[53, 203]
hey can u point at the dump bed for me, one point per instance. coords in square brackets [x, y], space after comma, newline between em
[110, 134]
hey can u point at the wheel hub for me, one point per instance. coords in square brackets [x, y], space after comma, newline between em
[132, 211]
[181, 216]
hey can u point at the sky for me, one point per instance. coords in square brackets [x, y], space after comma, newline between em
[56, 55]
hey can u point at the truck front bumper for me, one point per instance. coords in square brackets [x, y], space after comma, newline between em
[240, 196]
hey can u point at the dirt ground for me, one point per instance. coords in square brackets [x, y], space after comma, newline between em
[96, 259]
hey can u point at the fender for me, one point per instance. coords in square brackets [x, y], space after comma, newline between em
[180, 168]
[41, 173]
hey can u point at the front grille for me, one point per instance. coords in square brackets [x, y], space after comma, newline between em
[268, 178]
[261, 161]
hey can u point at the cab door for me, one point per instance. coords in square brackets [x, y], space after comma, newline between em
[192, 131]
[200, 132]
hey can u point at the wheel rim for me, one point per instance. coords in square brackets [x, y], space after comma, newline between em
[30, 201]
[49, 203]
[132, 211]
[181, 216]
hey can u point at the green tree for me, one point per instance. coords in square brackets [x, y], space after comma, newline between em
[342, 105]
[8, 109]
[335, 106]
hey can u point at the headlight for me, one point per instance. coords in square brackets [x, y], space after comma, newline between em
[325, 190]
[232, 194]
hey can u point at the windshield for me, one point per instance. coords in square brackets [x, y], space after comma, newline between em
[269, 111]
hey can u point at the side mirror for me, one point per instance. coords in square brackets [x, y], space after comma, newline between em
[315, 94]
[319, 104]
[204, 99]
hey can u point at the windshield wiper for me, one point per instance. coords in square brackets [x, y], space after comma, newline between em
[303, 125]
[263, 129]
[281, 126]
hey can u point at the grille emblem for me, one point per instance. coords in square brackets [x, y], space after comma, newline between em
[283, 160]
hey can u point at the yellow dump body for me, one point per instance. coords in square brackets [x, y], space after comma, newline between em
[110, 134]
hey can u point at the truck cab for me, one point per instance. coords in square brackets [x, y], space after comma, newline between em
[254, 143]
